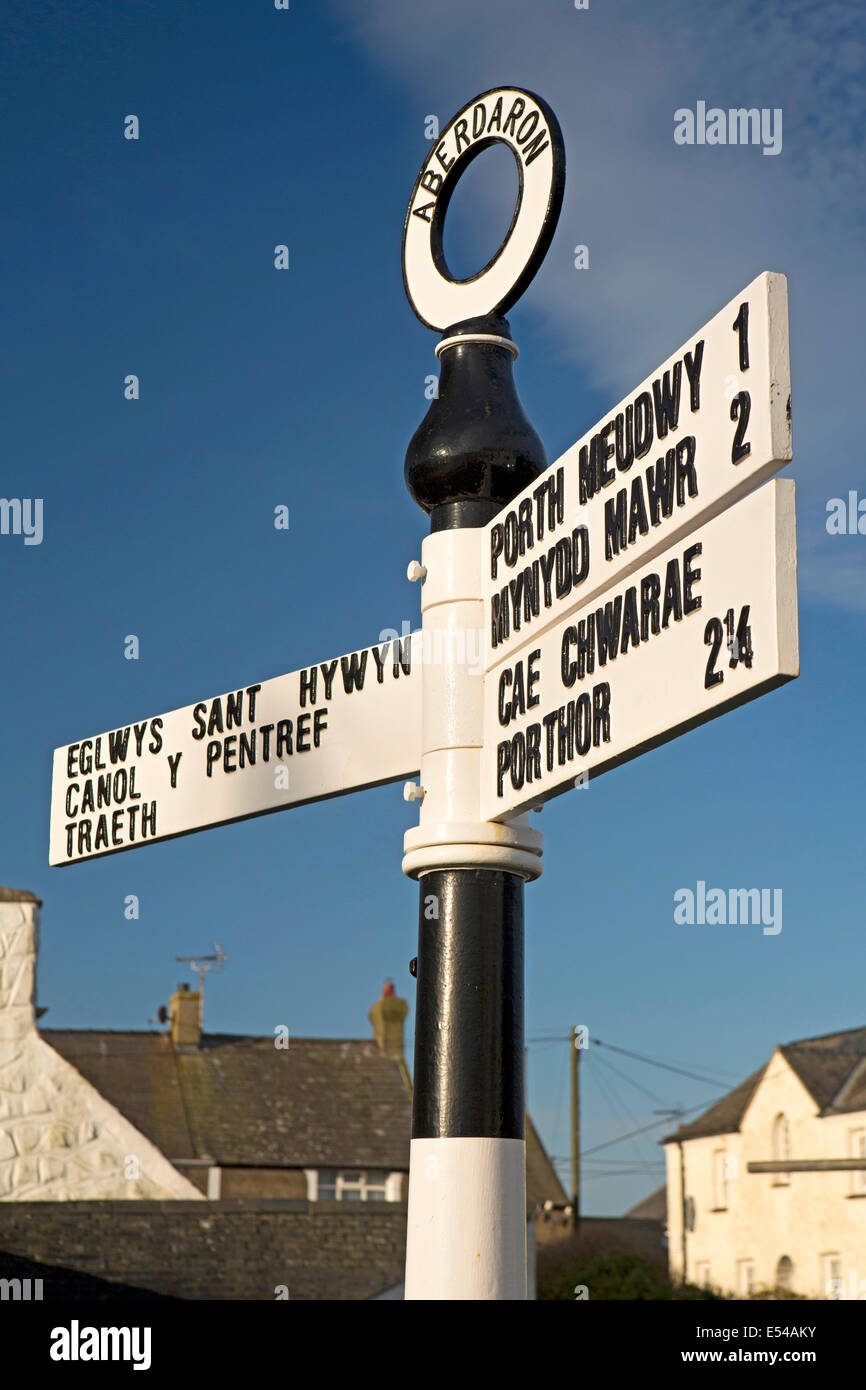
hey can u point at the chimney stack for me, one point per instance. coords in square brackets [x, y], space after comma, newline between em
[184, 1016]
[387, 1016]
[19, 943]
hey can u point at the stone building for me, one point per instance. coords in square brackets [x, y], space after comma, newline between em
[763, 1191]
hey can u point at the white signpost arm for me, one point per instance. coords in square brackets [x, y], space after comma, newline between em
[333, 727]
[711, 424]
[696, 631]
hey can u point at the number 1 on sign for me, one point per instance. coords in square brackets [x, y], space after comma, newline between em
[741, 405]
[741, 328]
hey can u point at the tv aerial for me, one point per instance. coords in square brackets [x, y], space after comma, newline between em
[204, 964]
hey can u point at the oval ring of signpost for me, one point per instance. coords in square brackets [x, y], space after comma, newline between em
[527, 126]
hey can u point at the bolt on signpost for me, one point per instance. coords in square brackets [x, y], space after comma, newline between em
[573, 617]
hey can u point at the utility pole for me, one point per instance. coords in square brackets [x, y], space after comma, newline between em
[575, 1128]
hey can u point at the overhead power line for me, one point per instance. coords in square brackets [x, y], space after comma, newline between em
[644, 1130]
[665, 1066]
[638, 1056]
[610, 1067]
[547, 1040]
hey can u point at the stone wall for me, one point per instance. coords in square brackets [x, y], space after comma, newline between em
[60, 1140]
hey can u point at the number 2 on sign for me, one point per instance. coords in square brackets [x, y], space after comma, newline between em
[739, 644]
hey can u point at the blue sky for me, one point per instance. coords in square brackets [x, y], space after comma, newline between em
[260, 387]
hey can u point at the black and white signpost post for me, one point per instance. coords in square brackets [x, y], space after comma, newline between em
[474, 452]
[573, 617]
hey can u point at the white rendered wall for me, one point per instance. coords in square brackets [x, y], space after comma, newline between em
[60, 1140]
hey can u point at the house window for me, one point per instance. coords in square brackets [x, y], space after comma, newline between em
[745, 1277]
[720, 1180]
[858, 1150]
[784, 1274]
[834, 1285]
[781, 1148]
[352, 1185]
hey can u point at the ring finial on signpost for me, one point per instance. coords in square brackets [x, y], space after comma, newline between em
[527, 126]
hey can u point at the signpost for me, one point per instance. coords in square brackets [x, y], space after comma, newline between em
[611, 602]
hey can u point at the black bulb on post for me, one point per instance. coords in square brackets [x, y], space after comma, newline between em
[476, 448]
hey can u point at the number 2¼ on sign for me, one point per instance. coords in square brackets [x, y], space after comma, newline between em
[738, 639]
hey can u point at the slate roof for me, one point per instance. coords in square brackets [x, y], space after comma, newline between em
[240, 1100]
[825, 1064]
[542, 1183]
[18, 895]
[832, 1068]
[61, 1283]
[229, 1249]
[724, 1116]
[652, 1208]
[320, 1103]
[855, 1093]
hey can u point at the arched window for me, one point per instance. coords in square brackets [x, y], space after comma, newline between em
[781, 1146]
[784, 1273]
